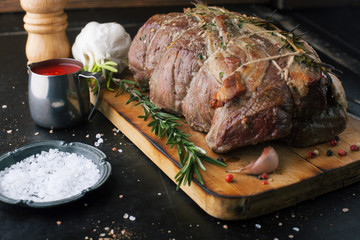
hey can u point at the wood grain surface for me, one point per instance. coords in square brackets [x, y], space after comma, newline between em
[297, 178]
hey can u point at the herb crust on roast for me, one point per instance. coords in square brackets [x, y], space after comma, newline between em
[240, 79]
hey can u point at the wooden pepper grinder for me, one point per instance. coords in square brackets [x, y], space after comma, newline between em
[45, 22]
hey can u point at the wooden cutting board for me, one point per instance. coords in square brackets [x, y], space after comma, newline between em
[297, 178]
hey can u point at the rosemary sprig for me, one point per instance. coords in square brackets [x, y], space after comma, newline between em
[166, 125]
[291, 41]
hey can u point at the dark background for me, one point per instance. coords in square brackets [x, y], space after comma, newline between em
[137, 187]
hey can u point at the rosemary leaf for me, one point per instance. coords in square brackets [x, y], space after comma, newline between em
[165, 125]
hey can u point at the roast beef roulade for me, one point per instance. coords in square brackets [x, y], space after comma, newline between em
[240, 79]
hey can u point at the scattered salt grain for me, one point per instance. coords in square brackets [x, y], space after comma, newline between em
[9, 131]
[296, 229]
[258, 225]
[120, 150]
[132, 218]
[100, 140]
[98, 135]
[48, 176]
[4, 106]
[345, 210]
[58, 222]
[225, 226]
[126, 216]
[37, 133]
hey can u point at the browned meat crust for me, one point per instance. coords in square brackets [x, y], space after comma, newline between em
[238, 78]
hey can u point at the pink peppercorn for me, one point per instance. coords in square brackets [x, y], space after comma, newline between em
[354, 148]
[333, 142]
[229, 178]
[312, 154]
[342, 153]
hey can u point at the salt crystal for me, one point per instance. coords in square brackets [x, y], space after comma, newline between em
[48, 176]
[4, 106]
[100, 140]
[258, 225]
[132, 218]
[120, 150]
[96, 144]
[9, 131]
[98, 135]
[296, 229]
[345, 210]
[126, 216]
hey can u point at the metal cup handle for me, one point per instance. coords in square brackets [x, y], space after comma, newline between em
[99, 79]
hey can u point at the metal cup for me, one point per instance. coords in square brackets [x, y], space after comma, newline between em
[60, 101]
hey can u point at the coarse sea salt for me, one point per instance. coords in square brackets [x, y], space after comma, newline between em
[48, 176]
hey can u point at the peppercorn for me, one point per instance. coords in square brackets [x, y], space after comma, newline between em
[264, 176]
[333, 142]
[229, 178]
[312, 154]
[342, 153]
[329, 153]
[337, 138]
[354, 148]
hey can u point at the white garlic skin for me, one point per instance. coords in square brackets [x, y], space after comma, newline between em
[97, 43]
[266, 163]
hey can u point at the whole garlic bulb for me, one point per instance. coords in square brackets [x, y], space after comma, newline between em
[97, 43]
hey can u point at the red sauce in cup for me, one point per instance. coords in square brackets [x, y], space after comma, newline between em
[56, 69]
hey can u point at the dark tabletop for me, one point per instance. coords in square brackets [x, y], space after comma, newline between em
[137, 187]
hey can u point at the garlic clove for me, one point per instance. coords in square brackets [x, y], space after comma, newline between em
[266, 163]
